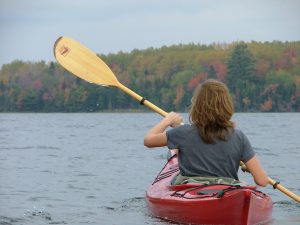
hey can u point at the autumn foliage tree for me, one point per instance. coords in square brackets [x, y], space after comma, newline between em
[261, 77]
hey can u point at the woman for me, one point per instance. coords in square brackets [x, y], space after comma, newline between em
[210, 147]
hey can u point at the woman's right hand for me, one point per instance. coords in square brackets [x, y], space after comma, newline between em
[174, 119]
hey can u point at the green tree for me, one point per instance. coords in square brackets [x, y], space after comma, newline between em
[241, 77]
[76, 98]
[31, 101]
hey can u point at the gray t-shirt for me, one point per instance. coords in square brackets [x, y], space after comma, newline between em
[220, 159]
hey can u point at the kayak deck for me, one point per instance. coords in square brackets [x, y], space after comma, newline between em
[205, 204]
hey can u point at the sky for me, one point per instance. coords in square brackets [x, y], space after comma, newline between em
[29, 28]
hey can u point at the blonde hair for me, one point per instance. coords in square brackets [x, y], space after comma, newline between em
[211, 111]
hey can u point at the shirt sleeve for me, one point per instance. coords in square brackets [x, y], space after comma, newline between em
[174, 136]
[247, 151]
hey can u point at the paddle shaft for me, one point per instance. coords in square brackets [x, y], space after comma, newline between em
[276, 185]
[284, 190]
[142, 100]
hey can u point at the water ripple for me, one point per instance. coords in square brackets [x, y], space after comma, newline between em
[4, 220]
[85, 168]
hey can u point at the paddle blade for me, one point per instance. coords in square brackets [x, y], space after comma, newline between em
[83, 63]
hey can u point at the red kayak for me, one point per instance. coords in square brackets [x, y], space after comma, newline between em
[206, 204]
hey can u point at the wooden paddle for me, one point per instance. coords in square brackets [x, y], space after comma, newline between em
[85, 64]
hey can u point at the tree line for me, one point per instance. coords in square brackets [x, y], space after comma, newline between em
[261, 76]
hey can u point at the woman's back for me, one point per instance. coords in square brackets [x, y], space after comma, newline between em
[197, 158]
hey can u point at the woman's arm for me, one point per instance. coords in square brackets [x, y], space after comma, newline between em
[156, 136]
[259, 175]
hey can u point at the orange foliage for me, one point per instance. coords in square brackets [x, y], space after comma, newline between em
[271, 88]
[291, 55]
[47, 97]
[262, 68]
[267, 105]
[220, 68]
[179, 94]
[37, 85]
[193, 83]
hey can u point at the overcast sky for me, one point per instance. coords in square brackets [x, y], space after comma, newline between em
[29, 28]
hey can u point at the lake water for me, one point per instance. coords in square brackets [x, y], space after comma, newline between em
[93, 168]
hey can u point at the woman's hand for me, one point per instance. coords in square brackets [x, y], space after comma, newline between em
[173, 119]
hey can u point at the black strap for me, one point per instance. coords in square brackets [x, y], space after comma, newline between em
[142, 101]
[275, 185]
